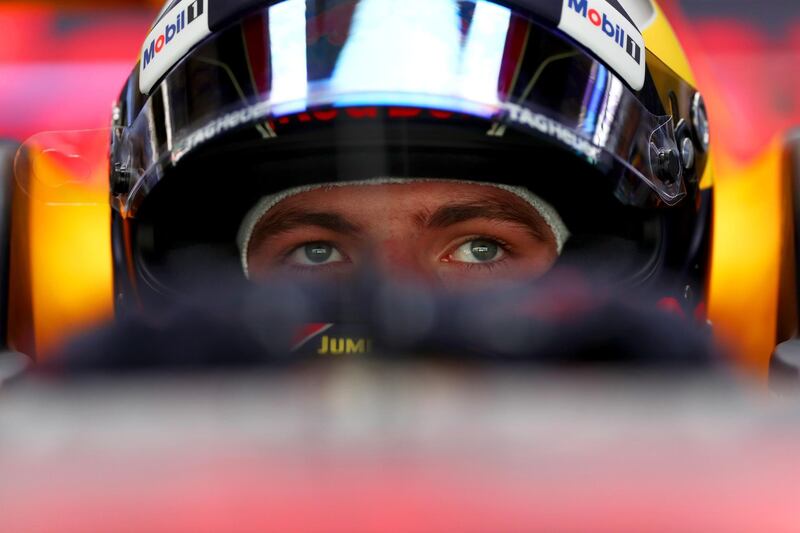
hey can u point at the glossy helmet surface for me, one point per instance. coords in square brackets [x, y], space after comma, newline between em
[590, 104]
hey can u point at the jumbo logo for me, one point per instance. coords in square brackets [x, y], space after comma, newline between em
[342, 346]
[161, 41]
[607, 26]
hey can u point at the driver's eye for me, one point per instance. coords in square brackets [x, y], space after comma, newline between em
[478, 251]
[313, 254]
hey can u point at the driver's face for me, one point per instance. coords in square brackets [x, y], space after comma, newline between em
[436, 231]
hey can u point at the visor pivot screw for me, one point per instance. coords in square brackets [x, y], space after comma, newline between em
[669, 165]
[688, 153]
[120, 179]
[700, 122]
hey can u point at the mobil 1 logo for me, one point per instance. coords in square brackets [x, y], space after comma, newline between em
[604, 28]
[182, 26]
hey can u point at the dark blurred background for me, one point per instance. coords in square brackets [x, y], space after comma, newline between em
[63, 63]
[746, 55]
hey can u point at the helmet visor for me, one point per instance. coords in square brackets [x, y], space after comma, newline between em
[311, 61]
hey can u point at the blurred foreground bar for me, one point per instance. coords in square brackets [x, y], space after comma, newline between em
[355, 447]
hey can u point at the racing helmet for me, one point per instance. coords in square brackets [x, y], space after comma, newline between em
[588, 105]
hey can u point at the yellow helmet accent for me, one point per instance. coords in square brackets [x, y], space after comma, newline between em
[662, 41]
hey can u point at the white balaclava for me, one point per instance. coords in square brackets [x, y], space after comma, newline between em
[266, 204]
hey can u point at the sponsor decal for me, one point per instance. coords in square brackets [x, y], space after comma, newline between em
[344, 346]
[221, 125]
[600, 27]
[307, 333]
[329, 344]
[512, 112]
[184, 25]
[547, 126]
[262, 110]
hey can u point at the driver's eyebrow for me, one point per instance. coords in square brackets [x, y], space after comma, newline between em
[488, 209]
[285, 220]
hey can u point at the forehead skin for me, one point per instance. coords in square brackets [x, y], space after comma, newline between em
[381, 211]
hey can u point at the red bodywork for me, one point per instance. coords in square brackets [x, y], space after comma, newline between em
[62, 70]
[748, 71]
